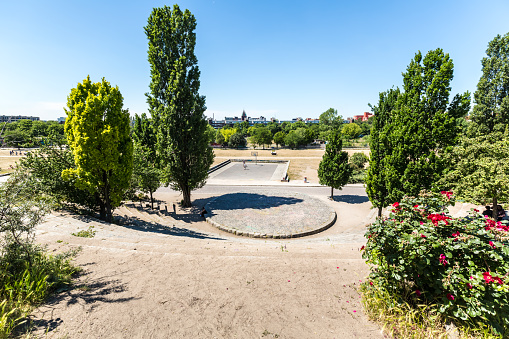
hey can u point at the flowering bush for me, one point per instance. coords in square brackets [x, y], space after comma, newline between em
[421, 255]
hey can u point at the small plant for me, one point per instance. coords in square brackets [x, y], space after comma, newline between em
[455, 268]
[89, 233]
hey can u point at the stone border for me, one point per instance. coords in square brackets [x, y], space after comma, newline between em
[332, 219]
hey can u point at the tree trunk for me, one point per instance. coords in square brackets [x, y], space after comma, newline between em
[186, 193]
[102, 210]
[151, 199]
[332, 193]
[379, 211]
[107, 200]
[494, 212]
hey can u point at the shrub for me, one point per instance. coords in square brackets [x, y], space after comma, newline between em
[358, 160]
[420, 255]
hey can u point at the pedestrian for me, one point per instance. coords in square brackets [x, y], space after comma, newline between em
[203, 212]
[244, 164]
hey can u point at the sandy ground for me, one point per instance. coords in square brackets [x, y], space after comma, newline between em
[190, 280]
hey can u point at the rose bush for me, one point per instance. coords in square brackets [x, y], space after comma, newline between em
[422, 255]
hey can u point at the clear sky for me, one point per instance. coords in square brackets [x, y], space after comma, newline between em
[280, 59]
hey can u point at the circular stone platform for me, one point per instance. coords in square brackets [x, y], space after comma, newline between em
[270, 214]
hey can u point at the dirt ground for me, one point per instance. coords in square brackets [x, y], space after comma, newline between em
[190, 280]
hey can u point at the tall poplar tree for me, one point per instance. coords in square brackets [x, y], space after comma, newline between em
[97, 130]
[183, 152]
[491, 110]
[378, 177]
[334, 169]
[424, 124]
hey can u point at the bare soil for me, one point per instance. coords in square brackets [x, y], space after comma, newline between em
[190, 280]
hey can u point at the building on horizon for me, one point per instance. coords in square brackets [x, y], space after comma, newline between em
[14, 118]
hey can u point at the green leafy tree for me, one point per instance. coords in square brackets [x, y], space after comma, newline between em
[331, 119]
[334, 169]
[424, 124]
[491, 110]
[237, 140]
[174, 102]
[292, 139]
[211, 134]
[227, 133]
[381, 177]
[146, 176]
[273, 127]
[220, 138]
[279, 138]
[98, 134]
[351, 131]
[143, 132]
[480, 171]
[262, 136]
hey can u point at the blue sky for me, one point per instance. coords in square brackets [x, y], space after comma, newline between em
[280, 59]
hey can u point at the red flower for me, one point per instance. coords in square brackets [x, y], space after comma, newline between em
[442, 260]
[492, 245]
[469, 285]
[371, 283]
[363, 247]
[457, 234]
[450, 296]
[396, 204]
[435, 218]
[447, 194]
[487, 277]
[418, 293]
[423, 236]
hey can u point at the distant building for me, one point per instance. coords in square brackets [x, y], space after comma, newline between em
[61, 120]
[363, 117]
[13, 118]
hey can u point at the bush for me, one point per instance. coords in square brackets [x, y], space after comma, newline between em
[358, 160]
[27, 274]
[458, 267]
[45, 167]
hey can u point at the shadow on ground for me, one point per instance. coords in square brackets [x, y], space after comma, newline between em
[242, 200]
[137, 224]
[90, 293]
[351, 199]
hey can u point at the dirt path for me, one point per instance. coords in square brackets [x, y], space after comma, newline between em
[181, 278]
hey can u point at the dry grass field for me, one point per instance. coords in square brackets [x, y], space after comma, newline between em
[303, 162]
[6, 160]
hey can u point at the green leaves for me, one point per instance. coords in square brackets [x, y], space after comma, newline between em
[97, 130]
[182, 149]
[334, 169]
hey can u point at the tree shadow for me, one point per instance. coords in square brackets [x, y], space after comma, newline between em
[90, 293]
[243, 200]
[137, 224]
[351, 199]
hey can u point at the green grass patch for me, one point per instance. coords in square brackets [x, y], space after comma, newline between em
[23, 286]
[88, 233]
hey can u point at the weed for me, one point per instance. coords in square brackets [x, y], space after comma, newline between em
[89, 233]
